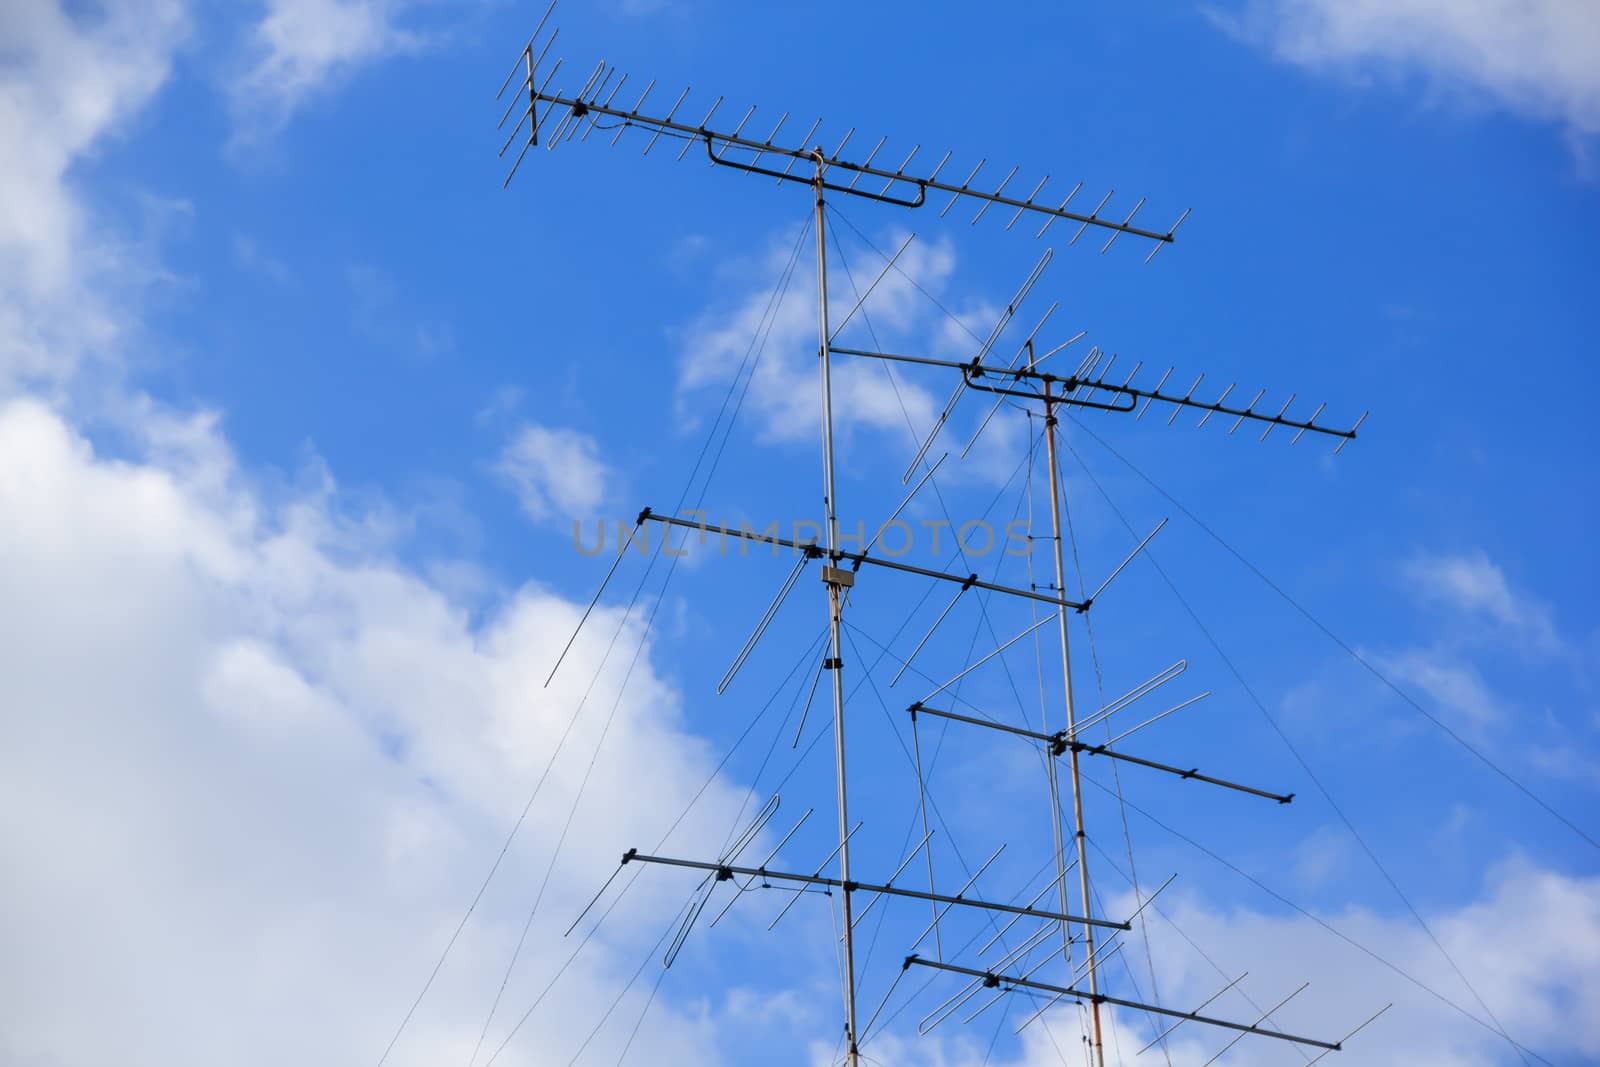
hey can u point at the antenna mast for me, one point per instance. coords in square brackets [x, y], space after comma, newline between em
[837, 579]
[551, 117]
[1072, 729]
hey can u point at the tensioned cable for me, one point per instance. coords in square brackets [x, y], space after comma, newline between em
[984, 617]
[756, 348]
[1334, 930]
[983, 598]
[1328, 632]
[964, 328]
[1300, 759]
[779, 289]
[1344, 645]
[1116, 773]
[1248, 999]
[813, 744]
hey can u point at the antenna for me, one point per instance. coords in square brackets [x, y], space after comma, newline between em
[537, 102]
[549, 115]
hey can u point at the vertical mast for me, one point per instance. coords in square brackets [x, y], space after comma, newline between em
[834, 577]
[1072, 725]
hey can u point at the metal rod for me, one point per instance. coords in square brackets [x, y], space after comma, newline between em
[835, 610]
[1247, 411]
[1264, 1017]
[761, 625]
[1158, 718]
[1281, 413]
[925, 185]
[805, 712]
[614, 91]
[1094, 217]
[1036, 190]
[621, 550]
[1212, 410]
[998, 934]
[770, 857]
[1097, 1037]
[898, 871]
[795, 157]
[862, 557]
[820, 867]
[870, 157]
[956, 194]
[1309, 422]
[1152, 397]
[1170, 234]
[905, 664]
[1351, 1034]
[725, 870]
[900, 169]
[701, 128]
[624, 124]
[1025, 983]
[988, 201]
[762, 151]
[1351, 436]
[1060, 743]
[1118, 233]
[960, 894]
[974, 666]
[1059, 212]
[922, 807]
[1203, 1005]
[1179, 404]
[668, 123]
[895, 514]
[1096, 594]
[868, 290]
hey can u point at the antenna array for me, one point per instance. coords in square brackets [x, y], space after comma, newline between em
[551, 117]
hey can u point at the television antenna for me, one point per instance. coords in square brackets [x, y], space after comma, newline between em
[549, 115]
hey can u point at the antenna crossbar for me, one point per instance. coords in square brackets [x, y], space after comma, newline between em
[811, 547]
[726, 871]
[901, 187]
[1060, 744]
[993, 980]
[1121, 397]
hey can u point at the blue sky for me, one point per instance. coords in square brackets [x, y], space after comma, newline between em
[297, 407]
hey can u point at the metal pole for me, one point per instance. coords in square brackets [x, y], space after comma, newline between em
[1072, 724]
[835, 607]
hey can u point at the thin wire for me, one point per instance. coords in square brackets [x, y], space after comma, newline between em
[983, 598]
[1301, 760]
[1170, 921]
[1330, 634]
[1334, 930]
[1116, 773]
[752, 358]
[1344, 645]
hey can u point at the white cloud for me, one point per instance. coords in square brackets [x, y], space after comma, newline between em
[68, 81]
[1475, 585]
[303, 47]
[1535, 57]
[869, 395]
[556, 473]
[1454, 685]
[1529, 942]
[253, 767]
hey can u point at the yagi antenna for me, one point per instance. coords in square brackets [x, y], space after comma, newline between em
[554, 104]
[549, 115]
